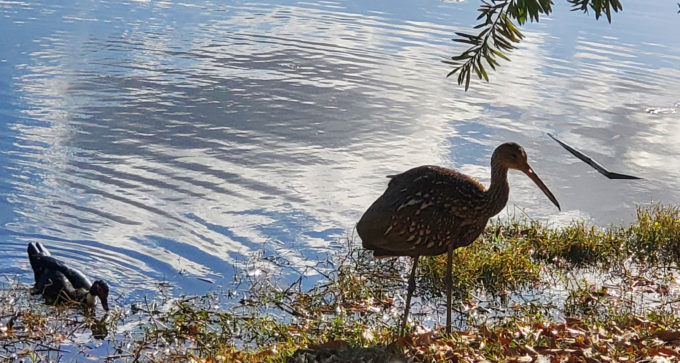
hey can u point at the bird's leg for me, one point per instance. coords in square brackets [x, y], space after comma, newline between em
[449, 282]
[411, 288]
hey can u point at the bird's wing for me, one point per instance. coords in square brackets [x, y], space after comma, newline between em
[52, 285]
[75, 277]
[418, 212]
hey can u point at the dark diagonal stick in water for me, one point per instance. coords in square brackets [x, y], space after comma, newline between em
[592, 162]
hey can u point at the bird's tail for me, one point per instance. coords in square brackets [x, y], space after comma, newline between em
[37, 249]
[35, 252]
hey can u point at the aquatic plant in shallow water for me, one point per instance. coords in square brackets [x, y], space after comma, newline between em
[596, 301]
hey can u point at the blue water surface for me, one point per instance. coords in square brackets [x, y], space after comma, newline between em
[149, 141]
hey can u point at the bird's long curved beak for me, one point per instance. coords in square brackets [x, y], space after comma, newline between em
[532, 175]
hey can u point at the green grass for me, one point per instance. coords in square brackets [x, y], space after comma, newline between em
[511, 255]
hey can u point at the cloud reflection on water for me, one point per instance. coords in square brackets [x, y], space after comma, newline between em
[186, 139]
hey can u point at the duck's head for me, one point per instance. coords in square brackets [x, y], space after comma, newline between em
[101, 289]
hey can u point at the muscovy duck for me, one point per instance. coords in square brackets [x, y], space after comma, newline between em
[59, 283]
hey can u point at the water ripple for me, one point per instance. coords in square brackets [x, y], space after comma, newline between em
[149, 141]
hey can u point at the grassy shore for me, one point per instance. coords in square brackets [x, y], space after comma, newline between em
[523, 291]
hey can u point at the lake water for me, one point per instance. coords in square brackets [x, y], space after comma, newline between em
[148, 141]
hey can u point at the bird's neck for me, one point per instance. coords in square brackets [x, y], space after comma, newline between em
[498, 192]
[84, 297]
[89, 299]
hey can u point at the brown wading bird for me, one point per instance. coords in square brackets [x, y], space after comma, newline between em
[429, 210]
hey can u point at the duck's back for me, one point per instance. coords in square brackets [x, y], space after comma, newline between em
[47, 267]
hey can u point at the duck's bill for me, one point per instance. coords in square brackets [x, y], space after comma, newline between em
[105, 304]
[530, 173]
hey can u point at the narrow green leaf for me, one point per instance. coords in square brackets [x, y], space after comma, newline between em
[608, 11]
[481, 25]
[489, 59]
[463, 74]
[482, 70]
[502, 43]
[500, 54]
[452, 72]
[466, 41]
[477, 71]
[460, 57]
[464, 35]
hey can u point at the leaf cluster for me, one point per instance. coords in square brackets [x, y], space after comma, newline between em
[498, 33]
[598, 6]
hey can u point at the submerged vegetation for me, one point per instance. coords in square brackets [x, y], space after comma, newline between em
[524, 291]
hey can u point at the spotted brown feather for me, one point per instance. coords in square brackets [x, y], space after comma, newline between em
[429, 210]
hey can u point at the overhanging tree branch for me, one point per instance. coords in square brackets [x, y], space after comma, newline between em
[499, 35]
[598, 6]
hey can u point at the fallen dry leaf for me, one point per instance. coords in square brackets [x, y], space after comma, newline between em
[664, 352]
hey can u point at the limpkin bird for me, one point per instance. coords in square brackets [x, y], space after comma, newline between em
[59, 283]
[430, 210]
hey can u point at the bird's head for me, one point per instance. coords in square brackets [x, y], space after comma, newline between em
[101, 289]
[512, 156]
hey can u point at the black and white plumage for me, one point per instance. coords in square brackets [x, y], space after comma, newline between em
[59, 283]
